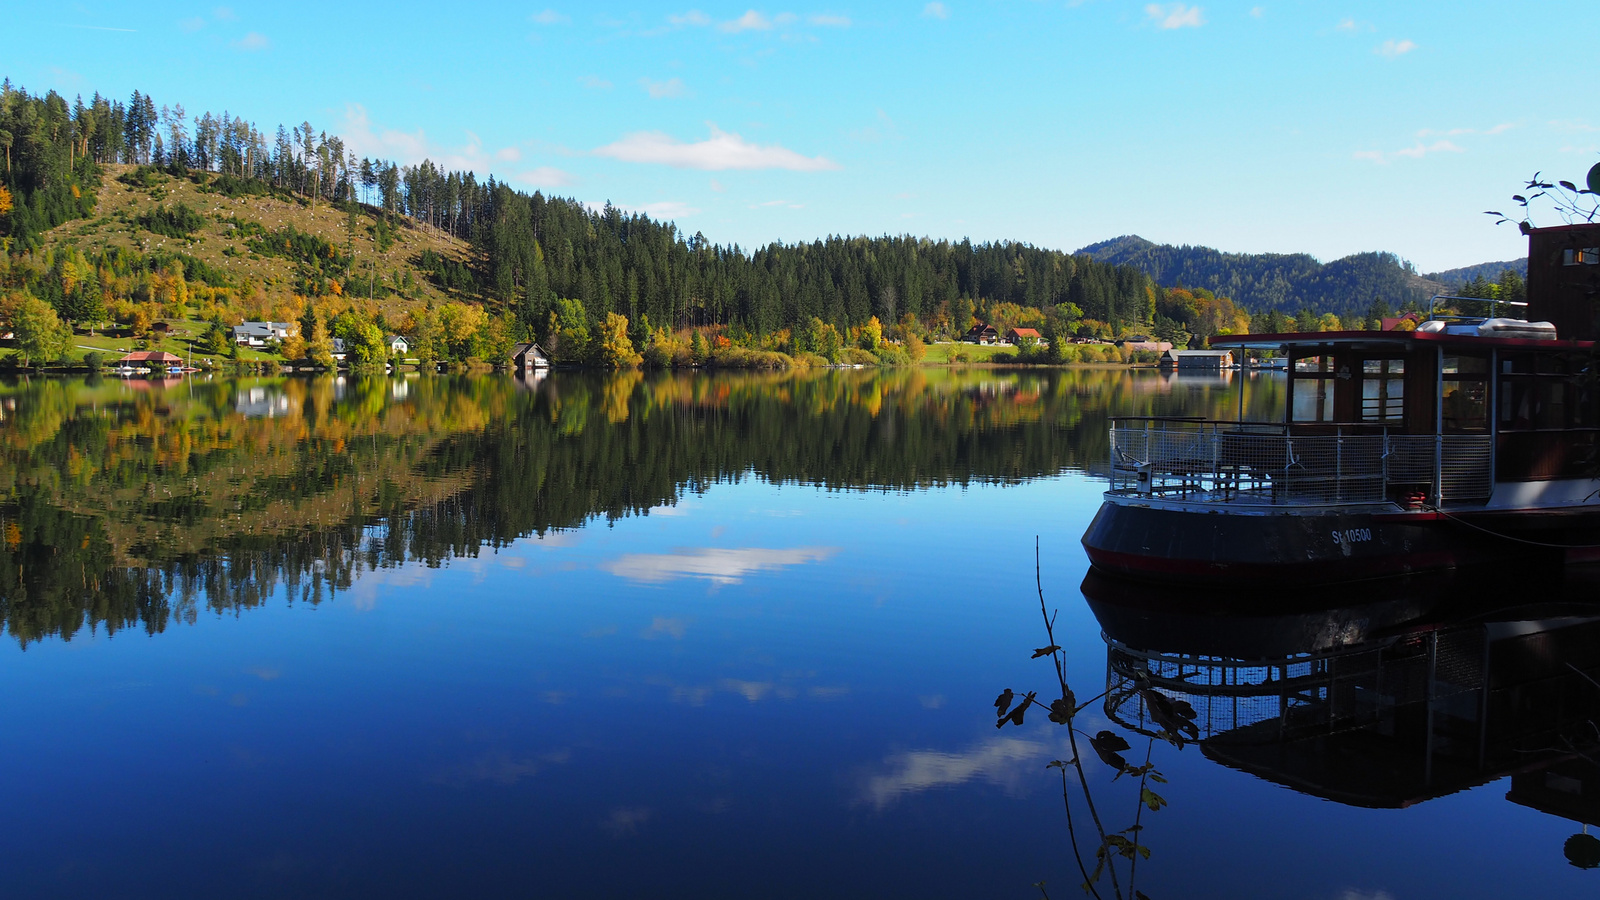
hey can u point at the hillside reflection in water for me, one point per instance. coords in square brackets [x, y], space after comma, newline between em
[680, 635]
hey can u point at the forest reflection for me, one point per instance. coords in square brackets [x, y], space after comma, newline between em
[135, 504]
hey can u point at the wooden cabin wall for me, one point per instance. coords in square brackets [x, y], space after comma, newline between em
[1568, 296]
[1422, 390]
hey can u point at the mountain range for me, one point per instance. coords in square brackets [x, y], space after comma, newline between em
[1291, 281]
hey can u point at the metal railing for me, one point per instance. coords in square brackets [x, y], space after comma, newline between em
[1260, 463]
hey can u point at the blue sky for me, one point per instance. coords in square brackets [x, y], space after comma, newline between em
[1327, 128]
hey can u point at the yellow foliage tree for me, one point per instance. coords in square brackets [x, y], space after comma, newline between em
[616, 350]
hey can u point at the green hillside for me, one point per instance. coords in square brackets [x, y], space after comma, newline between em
[1489, 271]
[119, 215]
[1262, 282]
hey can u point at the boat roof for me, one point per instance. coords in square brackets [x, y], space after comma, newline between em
[1385, 340]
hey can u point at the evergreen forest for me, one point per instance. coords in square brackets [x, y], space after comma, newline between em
[592, 284]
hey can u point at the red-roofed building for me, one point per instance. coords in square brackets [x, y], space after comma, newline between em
[1407, 322]
[151, 358]
[1015, 335]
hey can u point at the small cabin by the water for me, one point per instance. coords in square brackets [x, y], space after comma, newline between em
[153, 359]
[981, 334]
[1016, 336]
[527, 355]
[1215, 360]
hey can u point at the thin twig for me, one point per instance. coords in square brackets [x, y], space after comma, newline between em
[1138, 815]
[1077, 759]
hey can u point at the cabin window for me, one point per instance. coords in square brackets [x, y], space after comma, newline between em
[1383, 386]
[1466, 393]
[1547, 391]
[1588, 256]
[1311, 389]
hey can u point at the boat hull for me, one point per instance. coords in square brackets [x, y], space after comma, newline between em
[1157, 541]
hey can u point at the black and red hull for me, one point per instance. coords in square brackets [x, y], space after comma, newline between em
[1190, 544]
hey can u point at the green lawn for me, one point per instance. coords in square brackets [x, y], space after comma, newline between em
[939, 354]
[185, 331]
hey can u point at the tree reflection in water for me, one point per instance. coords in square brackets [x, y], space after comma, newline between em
[137, 504]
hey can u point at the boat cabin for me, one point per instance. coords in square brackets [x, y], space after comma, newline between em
[1437, 416]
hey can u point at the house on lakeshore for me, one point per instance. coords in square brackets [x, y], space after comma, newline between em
[398, 346]
[1015, 336]
[1407, 322]
[1214, 360]
[257, 334]
[149, 359]
[980, 333]
[527, 356]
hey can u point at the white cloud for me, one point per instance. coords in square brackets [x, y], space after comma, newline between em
[224, 14]
[595, 83]
[1502, 128]
[544, 176]
[192, 25]
[936, 10]
[666, 209]
[830, 21]
[717, 186]
[717, 565]
[1417, 151]
[1392, 48]
[548, 17]
[750, 21]
[722, 150]
[410, 148]
[1256, 12]
[998, 759]
[1349, 24]
[1174, 15]
[692, 17]
[255, 40]
[672, 87]
[1421, 150]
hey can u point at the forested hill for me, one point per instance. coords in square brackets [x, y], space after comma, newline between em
[534, 263]
[1268, 281]
[1489, 271]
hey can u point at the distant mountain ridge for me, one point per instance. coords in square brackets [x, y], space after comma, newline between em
[1287, 281]
[1489, 271]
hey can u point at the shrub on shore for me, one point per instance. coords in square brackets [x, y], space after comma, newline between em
[855, 356]
[745, 358]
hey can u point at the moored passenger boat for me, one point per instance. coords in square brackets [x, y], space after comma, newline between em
[1465, 441]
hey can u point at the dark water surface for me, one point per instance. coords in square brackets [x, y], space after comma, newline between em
[704, 636]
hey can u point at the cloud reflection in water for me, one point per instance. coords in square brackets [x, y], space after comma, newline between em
[717, 565]
[920, 770]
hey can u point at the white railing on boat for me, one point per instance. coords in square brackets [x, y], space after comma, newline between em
[1251, 463]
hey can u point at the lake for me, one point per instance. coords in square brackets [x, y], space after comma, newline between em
[709, 635]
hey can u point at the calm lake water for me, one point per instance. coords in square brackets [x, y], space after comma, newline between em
[703, 636]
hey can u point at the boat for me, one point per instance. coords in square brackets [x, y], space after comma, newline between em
[1468, 440]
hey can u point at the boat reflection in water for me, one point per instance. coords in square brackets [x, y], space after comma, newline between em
[1431, 688]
